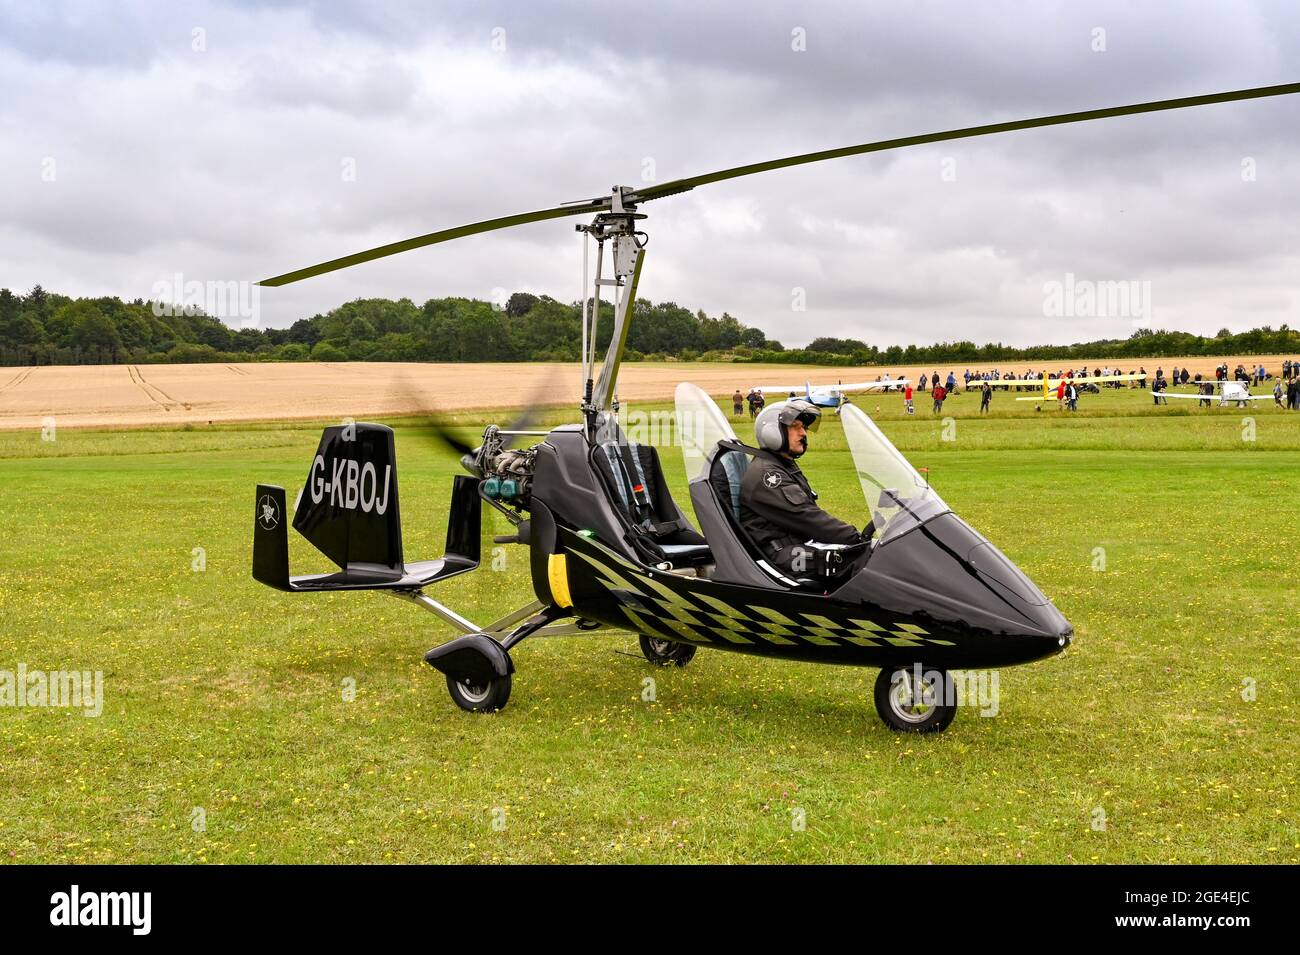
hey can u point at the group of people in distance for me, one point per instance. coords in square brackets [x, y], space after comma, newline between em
[1286, 388]
[1288, 397]
[1032, 380]
[754, 399]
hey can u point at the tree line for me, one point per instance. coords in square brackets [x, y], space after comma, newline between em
[44, 328]
[47, 328]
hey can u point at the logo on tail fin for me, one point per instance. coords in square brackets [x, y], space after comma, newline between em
[268, 513]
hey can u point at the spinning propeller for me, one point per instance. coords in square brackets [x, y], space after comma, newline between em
[445, 436]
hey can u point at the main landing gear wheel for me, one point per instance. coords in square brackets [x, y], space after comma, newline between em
[665, 652]
[479, 697]
[911, 706]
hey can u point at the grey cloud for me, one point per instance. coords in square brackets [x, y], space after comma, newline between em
[229, 162]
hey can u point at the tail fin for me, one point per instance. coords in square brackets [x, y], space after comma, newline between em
[271, 539]
[348, 507]
[348, 510]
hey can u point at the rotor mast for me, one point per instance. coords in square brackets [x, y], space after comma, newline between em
[627, 252]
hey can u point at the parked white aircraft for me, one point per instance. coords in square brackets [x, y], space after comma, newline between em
[832, 396]
[1238, 391]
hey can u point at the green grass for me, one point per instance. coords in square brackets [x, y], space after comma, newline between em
[222, 694]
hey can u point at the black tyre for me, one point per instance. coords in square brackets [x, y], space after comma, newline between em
[663, 653]
[908, 708]
[477, 697]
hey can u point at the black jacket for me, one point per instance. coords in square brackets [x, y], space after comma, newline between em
[778, 509]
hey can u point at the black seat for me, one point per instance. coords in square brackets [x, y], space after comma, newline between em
[728, 472]
[657, 527]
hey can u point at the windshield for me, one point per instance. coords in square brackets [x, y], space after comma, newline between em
[701, 424]
[899, 497]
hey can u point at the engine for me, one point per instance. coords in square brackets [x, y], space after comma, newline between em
[508, 475]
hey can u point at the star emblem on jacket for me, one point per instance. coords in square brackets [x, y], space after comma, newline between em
[772, 478]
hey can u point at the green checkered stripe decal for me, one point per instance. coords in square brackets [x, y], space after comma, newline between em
[651, 605]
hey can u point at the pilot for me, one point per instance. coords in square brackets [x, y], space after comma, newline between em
[778, 509]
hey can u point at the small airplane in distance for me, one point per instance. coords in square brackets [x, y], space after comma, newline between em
[1238, 391]
[831, 396]
[1052, 385]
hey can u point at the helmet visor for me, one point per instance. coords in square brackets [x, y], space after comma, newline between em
[803, 411]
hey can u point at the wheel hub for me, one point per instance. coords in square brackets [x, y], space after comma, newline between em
[473, 692]
[908, 701]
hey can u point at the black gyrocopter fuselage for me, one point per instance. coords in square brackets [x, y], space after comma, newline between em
[610, 549]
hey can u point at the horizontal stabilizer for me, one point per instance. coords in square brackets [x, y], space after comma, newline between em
[365, 542]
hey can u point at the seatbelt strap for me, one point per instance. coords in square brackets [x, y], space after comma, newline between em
[617, 469]
[636, 480]
[667, 527]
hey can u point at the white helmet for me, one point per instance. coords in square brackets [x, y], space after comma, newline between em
[771, 427]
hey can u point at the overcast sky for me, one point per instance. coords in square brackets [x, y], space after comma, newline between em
[236, 141]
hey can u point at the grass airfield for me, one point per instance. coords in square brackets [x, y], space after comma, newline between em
[223, 696]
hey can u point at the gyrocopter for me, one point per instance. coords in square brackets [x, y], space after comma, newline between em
[611, 550]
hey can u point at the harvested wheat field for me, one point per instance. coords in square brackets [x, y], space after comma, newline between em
[115, 396]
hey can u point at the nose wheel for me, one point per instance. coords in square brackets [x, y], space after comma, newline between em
[915, 699]
[666, 652]
[477, 669]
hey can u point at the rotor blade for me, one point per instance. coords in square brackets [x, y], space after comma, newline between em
[487, 225]
[444, 437]
[601, 204]
[683, 185]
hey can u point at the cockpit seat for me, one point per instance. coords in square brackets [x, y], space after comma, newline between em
[728, 472]
[658, 529]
